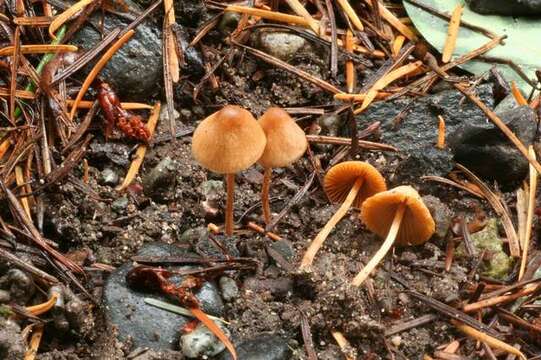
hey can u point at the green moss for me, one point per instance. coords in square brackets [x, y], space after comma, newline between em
[5, 311]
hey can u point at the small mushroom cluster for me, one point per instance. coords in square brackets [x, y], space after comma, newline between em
[231, 140]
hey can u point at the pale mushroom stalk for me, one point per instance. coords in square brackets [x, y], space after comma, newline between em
[320, 238]
[230, 184]
[384, 249]
[265, 203]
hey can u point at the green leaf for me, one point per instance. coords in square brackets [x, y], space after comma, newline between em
[522, 45]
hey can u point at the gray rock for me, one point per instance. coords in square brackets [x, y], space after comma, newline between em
[109, 177]
[201, 342]
[159, 181]
[506, 7]
[416, 134]
[508, 103]
[120, 204]
[21, 286]
[12, 346]
[228, 288]
[282, 45]
[5, 296]
[284, 248]
[116, 152]
[485, 150]
[441, 213]
[145, 325]
[261, 347]
[229, 22]
[136, 69]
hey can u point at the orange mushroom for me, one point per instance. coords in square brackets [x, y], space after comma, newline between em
[226, 142]
[286, 143]
[400, 216]
[349, 183]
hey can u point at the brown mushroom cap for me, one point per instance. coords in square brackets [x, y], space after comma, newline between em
[228, 141]
[340, 179]
[417, 225]
[286, 141]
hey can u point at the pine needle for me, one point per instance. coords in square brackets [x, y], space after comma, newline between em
[84, 104]
[519, 98]
[37, 334]
[394, 21]
[38, 49]
[300, 10]
[397, 45]
[22, 94]
[43, 307]
[141, 150]
[98, 67]
[201, 316]
[66, 15]
[268, 15]
[19, 179]
[441, 133]
[352, 15]
[529, 216]
[173, 62]
[350, 67]
[452, 34]
[487, 339]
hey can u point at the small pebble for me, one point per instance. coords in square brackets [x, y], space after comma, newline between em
[396, 340]
[5, 297]
[119, 204]
[201, 342]
[228, 288]
[109, 177]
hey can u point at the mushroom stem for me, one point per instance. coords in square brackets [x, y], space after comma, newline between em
[230, 183]
[265, 195]
[316, 244]
[384, 249]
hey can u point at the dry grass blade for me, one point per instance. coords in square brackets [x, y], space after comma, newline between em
[303, 74]
[300, 10]
[141, 150]
[168, 79]
[97, 68]
[35, 340]
[66, 15]
[452, 183]
[519, 98]
[487, 339]
[452, 34]
[502, 299]
[352, 15]
[529, 216]
[84, 104]
[201, 316]
[397, 45]
[393, 20]
[269, 15]
[386, 80]
[13, 78]
[19, 179]
[496, 203]
[369, 145]
[343, 343]
[38, 49]
[169, 39]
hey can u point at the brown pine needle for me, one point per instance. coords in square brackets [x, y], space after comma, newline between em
[441, 133]
[352, 15]
[19, 179]
[38, 49]
[260, 230]
[452, 34]
[386, 80]
[397, 45]
[529, 216]
[4, 147]
[42, 308]
[350, 67]
[97, 68]
[22, 94]
[487, 339]
[201, 316]
[32, 351]
[300, 10]
[519, 98]
[66, 15]
[33, 20]
[173, 62]
[394, 21]
[141, 150]
[83, 104]
[269, 15]
[360, 97]
[499, 299]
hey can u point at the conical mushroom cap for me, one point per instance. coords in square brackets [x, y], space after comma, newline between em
[286, 141]
[417, 225]
[228, 141]
[340, 179]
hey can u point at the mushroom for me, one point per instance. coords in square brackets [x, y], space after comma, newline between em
[400, 216]
[286, 143]
[226, 142]
[349, 183]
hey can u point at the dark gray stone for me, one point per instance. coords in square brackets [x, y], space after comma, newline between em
[441, 214]
[136, 69]
[284, 248]
[12, 346]
[506, 7]
[485, 150]
[159, 181]
[282, 45]
[416, 133]
[261, 347]
[228, 288]
[201, 342]
[147, 325]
